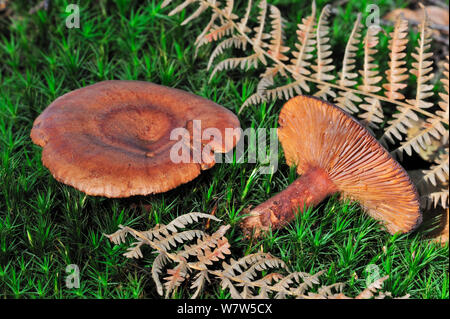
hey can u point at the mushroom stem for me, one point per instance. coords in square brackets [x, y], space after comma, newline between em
[308, 190]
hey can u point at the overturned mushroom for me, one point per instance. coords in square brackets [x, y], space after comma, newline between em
[334, 153]
[114, 138]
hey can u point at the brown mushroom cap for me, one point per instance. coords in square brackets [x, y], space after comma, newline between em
[113, 138]
[317, 134]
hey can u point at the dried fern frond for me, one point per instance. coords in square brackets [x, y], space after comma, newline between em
[323, 64]
[431, 134]
[423, 66]
[199, 282]
[259, 35]
[276, 47]
[202, 39]
[305, 46]
[422, 69]
[244, 63]
[244, 262]
[396, 74]
[158, 264]
[309, 31]
[178, 8]
[372, 113]
[239, 42]
[258, 275]
[175, 278]
[437, 176]
[433, 183]
[299, 64]
[444, 104]
[203, 244]
[433, 130]
[166, 240]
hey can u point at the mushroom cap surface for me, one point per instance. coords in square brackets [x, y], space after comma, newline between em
[315, 133]
[113, 138]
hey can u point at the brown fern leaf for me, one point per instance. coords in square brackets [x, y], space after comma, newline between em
[423, 66]
[244, 63]
[323, 64]
[372, 113]
[299, 67]
[432, 150]
[201, 39]
[162, 231]
[260, 265]
[374, 288]
[178, 8]
[267, 280]
[176, 277]
[228, 284]
[396, 73]
[200, 280]
[438, 174]
[214, 32]
[164, 238]
[242, 25]
[276, 48]
[422, 69]
[296, 284]
[218, 32]
[158, 264]
[286, 91]
[432, 130]
[305, 46]
[444, 104]
[249, 268]
[166, 3]
[209, 256]
[196, 14]
[237, 41]
[134, 251]
[304, 281]
[260, 36]
[439, 197]
[298, 64]
[263, 93]
[206, 242]
[206, 256]
[173, 240]
[369, 72]
[119, 236]
[433, 183]
[242, 263]
[329, 292]
[258, 275]
[346, 99]
[228, 10]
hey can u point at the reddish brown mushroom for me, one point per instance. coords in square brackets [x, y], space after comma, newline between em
[113, 138]
[334, 153]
